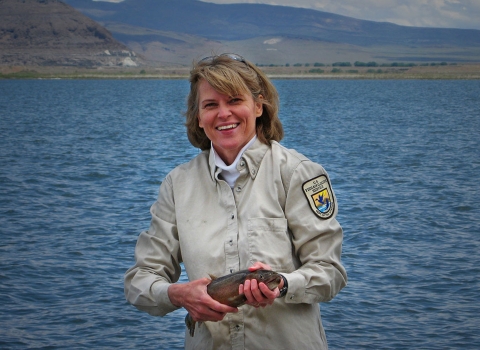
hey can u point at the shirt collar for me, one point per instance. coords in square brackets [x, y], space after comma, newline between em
[232, 167]
[252, 155]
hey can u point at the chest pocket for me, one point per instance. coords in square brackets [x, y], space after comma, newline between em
[269, 242]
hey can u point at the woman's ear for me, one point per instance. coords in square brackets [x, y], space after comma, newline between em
[259, 106]
[199, 121]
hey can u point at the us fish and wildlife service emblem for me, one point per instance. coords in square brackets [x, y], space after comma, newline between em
[320, 196]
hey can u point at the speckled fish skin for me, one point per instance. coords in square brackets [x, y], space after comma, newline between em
[225, 289]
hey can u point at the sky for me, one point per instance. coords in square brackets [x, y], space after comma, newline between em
[463, 14]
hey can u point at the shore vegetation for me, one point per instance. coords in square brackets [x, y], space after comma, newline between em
[314, 70]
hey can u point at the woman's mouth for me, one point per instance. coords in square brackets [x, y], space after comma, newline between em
[227, 127]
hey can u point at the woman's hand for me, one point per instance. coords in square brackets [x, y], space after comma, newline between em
[194, 298]
[258, 294]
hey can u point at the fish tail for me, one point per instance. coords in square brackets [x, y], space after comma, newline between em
[190, 324]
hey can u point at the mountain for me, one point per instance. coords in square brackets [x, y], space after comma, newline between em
[174, 32]
[180, 30]
[52, 33]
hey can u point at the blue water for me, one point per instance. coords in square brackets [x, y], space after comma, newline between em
[81, 162]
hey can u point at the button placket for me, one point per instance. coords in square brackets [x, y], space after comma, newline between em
[237, 330]
[230, 240]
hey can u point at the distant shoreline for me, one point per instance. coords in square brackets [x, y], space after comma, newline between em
[450, 72]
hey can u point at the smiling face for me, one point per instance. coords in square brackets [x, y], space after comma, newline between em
[228, 121]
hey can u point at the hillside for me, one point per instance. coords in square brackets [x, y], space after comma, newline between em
[175, 31]
[171, 33]
[52, 33]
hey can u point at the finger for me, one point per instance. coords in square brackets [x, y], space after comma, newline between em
[222, 308]
[251, 300]
[208, 306]
[248, 292]
[215, 312]
[256, 292]
[267, 293]
[265, 296]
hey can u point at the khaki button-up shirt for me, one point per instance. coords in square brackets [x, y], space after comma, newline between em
[271, 215]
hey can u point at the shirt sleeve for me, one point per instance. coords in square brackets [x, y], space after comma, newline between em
[316, 236]
[157, 259]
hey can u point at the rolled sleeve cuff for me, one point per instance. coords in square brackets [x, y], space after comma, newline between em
[160, 292]
[296, 288]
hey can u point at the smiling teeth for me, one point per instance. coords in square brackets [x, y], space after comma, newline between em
[225, 127]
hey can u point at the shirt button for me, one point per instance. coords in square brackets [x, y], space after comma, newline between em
[239, 188]
[242, 163]
[254, 172]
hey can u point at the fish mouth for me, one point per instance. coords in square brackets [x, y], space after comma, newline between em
[274, 278]
[227, 127]
[272, 281]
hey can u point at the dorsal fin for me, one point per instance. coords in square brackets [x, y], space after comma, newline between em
[212, 277]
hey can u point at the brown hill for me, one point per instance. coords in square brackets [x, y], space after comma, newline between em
[172, 32]
[52, 33]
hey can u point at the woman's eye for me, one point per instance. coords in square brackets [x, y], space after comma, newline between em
[235, 100]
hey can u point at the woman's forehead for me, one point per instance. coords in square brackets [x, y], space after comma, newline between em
[225, 87]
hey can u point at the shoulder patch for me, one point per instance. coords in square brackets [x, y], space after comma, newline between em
[319, 196]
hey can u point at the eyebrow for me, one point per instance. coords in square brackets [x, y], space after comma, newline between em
[204, 102]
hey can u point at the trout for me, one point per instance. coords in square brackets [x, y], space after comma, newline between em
[225, 289]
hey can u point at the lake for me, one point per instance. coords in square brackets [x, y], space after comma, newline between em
[82, 161]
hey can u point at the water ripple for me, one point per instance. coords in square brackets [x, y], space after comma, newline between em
[81, 163]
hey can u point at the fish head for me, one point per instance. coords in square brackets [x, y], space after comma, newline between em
[270, 278]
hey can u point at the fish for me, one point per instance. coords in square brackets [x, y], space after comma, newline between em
[225, 289]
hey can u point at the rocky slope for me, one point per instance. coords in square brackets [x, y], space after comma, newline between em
[52, 33]
[172, 32]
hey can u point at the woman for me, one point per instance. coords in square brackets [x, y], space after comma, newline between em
[244, 202]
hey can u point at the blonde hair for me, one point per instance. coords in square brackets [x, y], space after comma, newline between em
[233, 76]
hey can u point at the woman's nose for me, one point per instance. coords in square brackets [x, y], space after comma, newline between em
[224, 110]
